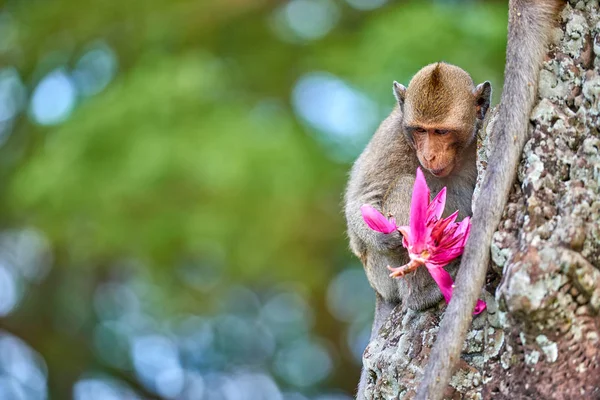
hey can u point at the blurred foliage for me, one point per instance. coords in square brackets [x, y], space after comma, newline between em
[191, 184]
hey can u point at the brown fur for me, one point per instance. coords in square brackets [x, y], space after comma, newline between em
[440, 96]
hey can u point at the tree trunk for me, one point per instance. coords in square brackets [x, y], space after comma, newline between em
[540, 336]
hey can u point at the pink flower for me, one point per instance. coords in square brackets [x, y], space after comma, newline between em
[431, 241]
[377, 221]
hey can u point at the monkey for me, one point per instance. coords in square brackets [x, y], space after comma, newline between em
[529, 27]
[433, 125]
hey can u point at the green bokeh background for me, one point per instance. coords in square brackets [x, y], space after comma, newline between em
[193, 182]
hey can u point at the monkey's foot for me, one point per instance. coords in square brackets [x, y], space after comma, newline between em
[399, 272]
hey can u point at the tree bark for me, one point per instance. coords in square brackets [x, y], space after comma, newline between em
[540, 336]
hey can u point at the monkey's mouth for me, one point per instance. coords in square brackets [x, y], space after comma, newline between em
[441, 172]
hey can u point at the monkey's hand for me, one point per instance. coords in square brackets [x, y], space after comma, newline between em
[363, 238]
[388, 242]
[385, 235]
[399, 272]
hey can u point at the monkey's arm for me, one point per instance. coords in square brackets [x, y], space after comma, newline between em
[361, 236]
[529, 26]
[375, 170]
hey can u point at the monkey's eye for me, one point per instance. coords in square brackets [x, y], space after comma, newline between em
[441, 132]
[420, 130]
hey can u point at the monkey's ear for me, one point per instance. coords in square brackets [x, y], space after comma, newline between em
[482, 93]
[399, 93]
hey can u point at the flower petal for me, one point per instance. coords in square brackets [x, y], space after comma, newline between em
[443, 257]
[418, 212]
[479, 307]
[452, 217]
[439, 230]
[436, 207]
[443, 280]
[376, 220]
[405, 232]
[449, 243]
[445, 283]
[455, 236]
[464, 229]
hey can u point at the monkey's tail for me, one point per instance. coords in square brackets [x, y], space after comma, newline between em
[529, 28]
[530, 24]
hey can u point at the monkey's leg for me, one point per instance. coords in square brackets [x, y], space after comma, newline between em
[383, 309]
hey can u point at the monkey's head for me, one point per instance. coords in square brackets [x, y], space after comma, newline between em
[442, 110]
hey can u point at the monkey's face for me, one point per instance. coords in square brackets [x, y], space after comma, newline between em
[440, 109]
[437, 149]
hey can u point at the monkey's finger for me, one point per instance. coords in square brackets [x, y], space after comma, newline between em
[396, 272]
[401, 271]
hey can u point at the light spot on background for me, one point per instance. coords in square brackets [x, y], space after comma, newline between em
[196, 340]
[349, 296]
[53, 98]
[350, 299]
[9, 294]
[336, 396]
[115, 300]
[10, 389]
[194, 387]
[243, 340]
[29, 252]
[111, 343]
[303, 363]
[366, 4]
[251, 386]
[12, 99]
[293, 396]
[240, 300]
[22, 370]
[101, 389]
[95, 69]
[344, 116]
[288, 315]
[304, 20]
[156, 362]
[12, 93]
[357, 338]
[214, 384]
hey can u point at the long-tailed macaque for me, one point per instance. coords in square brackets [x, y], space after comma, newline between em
[434, 125]
[529, 26]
